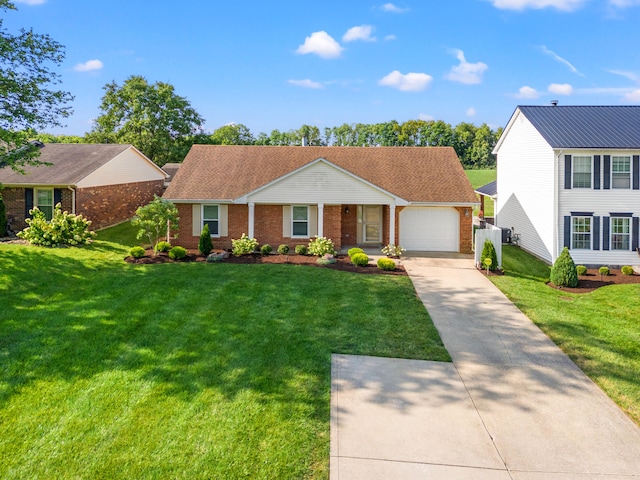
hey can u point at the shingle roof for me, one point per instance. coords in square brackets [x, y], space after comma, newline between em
[416, 174]
[489, 190]
[586, 126]
[70, 164]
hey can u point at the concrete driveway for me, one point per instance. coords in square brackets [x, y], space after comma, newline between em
[510, 406]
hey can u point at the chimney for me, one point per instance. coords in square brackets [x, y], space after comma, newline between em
[304, 141]
[554, 103]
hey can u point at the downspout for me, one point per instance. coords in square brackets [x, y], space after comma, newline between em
[73, 199]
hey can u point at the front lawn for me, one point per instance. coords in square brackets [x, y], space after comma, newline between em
[111, 370]
[600, 330]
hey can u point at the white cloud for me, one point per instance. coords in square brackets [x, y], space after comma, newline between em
[410, 82]
[391, 8]
[564, 5]
[390, 37]
[633, 96]
[425, 117]
[628, 75]
[624, 3]
[31, 2]
[527, 92]
[361, 32]
[471, 112]
[306, 83]
[89, 66]
[558, 58]
[322, 44]
[465, 72]
[560, 88]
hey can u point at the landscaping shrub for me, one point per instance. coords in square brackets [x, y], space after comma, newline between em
[283, 249]
[489, 251]
[360, 259]
[163, 246]
[392, 250]
[244, 245]
[352, 251]
[266, 249]
[155, 220]
[386, 264]
[137, 252]
[301, 249]
[3, 218]
[321, 246]
[581, 269]
[563, 272]
[205, 245]
[627, 270]
[63, 229]
[176, 253]
[604, 270]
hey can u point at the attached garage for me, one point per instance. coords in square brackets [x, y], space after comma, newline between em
[430, 229]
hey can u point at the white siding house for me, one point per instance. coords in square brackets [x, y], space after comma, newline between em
[570, 176]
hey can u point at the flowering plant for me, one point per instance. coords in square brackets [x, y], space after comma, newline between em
[63, 229]
[392, 250]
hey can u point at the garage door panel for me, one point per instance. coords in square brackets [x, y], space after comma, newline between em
[430, 229]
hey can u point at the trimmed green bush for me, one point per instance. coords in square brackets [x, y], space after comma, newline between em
[283, 249]
[301, 249]
[266, 249]
[176, 253]
[604, 270]
[244, 245]
[137, 252]
[627, 270]
[352, 251]
[163, 246]
[386, 264]
[581, 269]
[205, 245]
[489, 251]
[563, 272]
[360, 259]
[320, 246]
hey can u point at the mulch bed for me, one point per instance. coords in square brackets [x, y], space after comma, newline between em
[343, 262]
[592, 280]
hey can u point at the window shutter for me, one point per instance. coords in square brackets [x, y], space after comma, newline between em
[567, 172]
[286, 221]
[567, 231]
[313, 221]
[607, 172]
[596, 172]
[605, 233]
[57, 196]
[28, 201]
[636, 172]
[223, 220]
[196, 216]
[635, 232]
[595, 234]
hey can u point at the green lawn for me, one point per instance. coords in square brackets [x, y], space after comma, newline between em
[479, 178]
[600, 330]
[111, 370]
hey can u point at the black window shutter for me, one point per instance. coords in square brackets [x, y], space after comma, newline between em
[567, 172]
[607, 172]
[28, 201]
[635, 231]
[636, 172]
[595, 234]
[605, 233]
[567, 231]
[57, 196]
[596, 172]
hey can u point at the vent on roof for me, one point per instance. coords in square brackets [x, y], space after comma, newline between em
[554, 103]
[37, 143]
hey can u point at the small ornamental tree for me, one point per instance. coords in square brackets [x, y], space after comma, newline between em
[489, 251]
[204, 244]
[564, 272]
[155, 220]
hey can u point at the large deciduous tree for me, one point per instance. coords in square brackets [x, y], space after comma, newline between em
[29, 98]
[153, 118]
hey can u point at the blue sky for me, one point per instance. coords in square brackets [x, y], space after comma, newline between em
[279, 65]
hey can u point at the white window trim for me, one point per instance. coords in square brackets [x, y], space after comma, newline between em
[629, 160]
[628, 234]
[573, 171]
[299, 221]
[573, 232]
[203, 219]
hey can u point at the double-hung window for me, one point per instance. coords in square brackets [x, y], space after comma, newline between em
[581, 171]
[620, 172]
[43, 199]
[620, 233]
[300, 221]
[581, 233]
[211, 217]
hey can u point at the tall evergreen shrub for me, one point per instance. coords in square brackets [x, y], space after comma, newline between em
[204, 244]
[564, 272]
[489, 251]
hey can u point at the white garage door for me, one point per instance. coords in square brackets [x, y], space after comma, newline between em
[430, 229]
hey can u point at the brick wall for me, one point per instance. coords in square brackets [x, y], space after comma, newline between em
[112, 204]
[14, 200]
[465, 229]
[349, 236]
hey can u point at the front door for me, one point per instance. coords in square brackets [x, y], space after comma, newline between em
[372, 223]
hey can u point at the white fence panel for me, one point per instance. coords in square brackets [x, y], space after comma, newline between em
[492, 233]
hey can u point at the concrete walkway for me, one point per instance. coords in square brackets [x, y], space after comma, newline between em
[510, 406]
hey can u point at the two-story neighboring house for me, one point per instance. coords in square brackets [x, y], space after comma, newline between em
[570, 176]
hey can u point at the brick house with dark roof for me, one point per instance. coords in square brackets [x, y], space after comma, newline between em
[104, 183]
[417, 197]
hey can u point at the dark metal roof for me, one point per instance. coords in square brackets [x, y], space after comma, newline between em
[587, 126]
[488, 190]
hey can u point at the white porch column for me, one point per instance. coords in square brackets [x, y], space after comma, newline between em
[321, 219]
[392, 224]
[252, 209]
